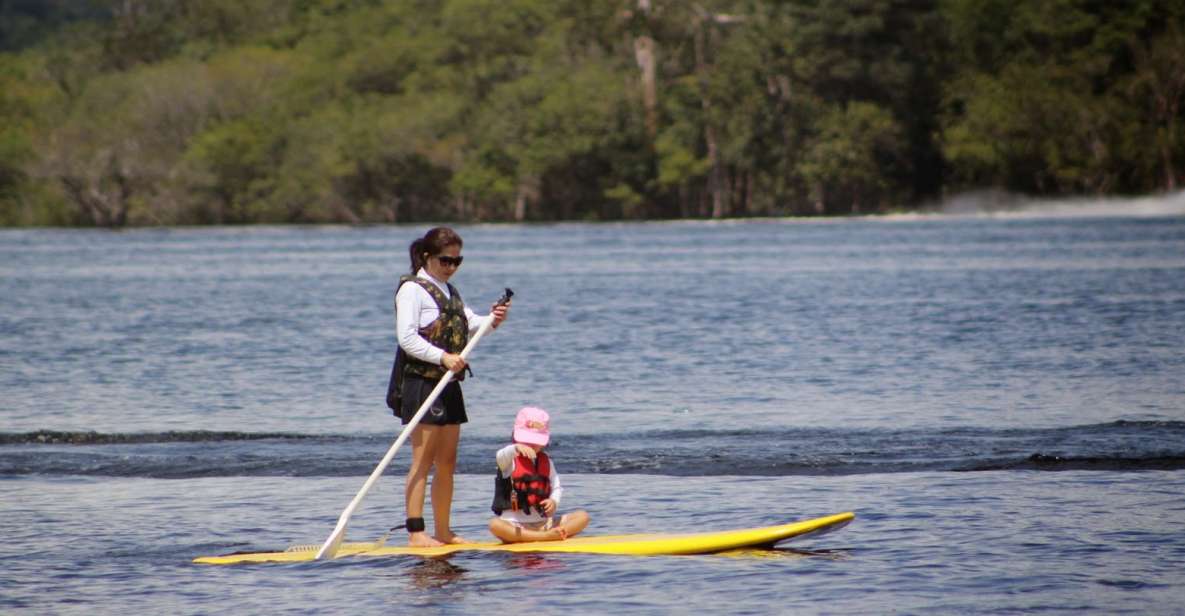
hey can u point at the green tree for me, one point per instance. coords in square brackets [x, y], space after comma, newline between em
[118, 112]
[21, 103]
[115, 155]
[844, 163]
[1038, 104]
[1157, 86]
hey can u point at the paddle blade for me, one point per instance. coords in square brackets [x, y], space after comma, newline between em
[333, 543]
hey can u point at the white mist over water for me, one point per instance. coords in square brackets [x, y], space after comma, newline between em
[999, 204]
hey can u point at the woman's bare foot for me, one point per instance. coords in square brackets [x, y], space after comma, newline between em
[454, 539]
[422, 540]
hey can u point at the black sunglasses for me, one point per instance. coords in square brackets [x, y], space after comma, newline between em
[453, 261]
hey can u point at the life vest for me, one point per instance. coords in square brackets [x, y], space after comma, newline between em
[449, 331]
[528, 485]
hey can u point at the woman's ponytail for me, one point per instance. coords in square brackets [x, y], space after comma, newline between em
[417, 251]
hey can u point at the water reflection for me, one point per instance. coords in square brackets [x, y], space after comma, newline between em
[533, 562]
[435, 573]
[784, 553]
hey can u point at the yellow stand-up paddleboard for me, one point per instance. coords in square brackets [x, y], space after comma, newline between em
[638, 545]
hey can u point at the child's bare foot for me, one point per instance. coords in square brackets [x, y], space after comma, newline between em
[559, 534]
[422, 540]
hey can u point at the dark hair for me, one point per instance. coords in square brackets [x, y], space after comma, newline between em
[433, 243]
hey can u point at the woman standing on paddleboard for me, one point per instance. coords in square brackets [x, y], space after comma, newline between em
[433, 325]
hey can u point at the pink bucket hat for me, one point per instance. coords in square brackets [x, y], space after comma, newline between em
[531, 426]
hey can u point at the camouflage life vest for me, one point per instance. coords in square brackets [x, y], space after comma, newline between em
[450, 330]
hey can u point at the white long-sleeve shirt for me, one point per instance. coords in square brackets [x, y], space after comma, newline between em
[415, 309]
[505, 458]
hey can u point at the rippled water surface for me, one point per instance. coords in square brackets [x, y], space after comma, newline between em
[1000, 401]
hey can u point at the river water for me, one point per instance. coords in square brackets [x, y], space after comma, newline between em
[1000, 400]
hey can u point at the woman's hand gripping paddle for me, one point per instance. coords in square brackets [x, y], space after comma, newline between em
[331, 545]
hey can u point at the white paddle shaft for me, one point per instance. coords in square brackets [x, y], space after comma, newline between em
[329, 548]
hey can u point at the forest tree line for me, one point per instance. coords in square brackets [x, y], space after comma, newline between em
[163, 112]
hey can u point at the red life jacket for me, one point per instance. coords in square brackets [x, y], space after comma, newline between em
[528, 485]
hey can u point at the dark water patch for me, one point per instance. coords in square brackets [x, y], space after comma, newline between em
[1128, 584]
[1043, 462]
[1114, 446]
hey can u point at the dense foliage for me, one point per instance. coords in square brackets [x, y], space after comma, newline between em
[131, 112]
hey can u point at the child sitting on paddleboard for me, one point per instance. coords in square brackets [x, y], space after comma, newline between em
[527, 490]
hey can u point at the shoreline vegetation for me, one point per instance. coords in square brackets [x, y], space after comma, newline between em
[129, 113]
[1016, 207]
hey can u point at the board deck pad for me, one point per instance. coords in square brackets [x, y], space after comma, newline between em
[670, 544]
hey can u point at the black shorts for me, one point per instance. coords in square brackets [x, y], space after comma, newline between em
[448, 408]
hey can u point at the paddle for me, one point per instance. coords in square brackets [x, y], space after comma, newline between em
[329, 548]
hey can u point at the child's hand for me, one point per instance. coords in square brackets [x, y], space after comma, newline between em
[525, 450]
[548, 507]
